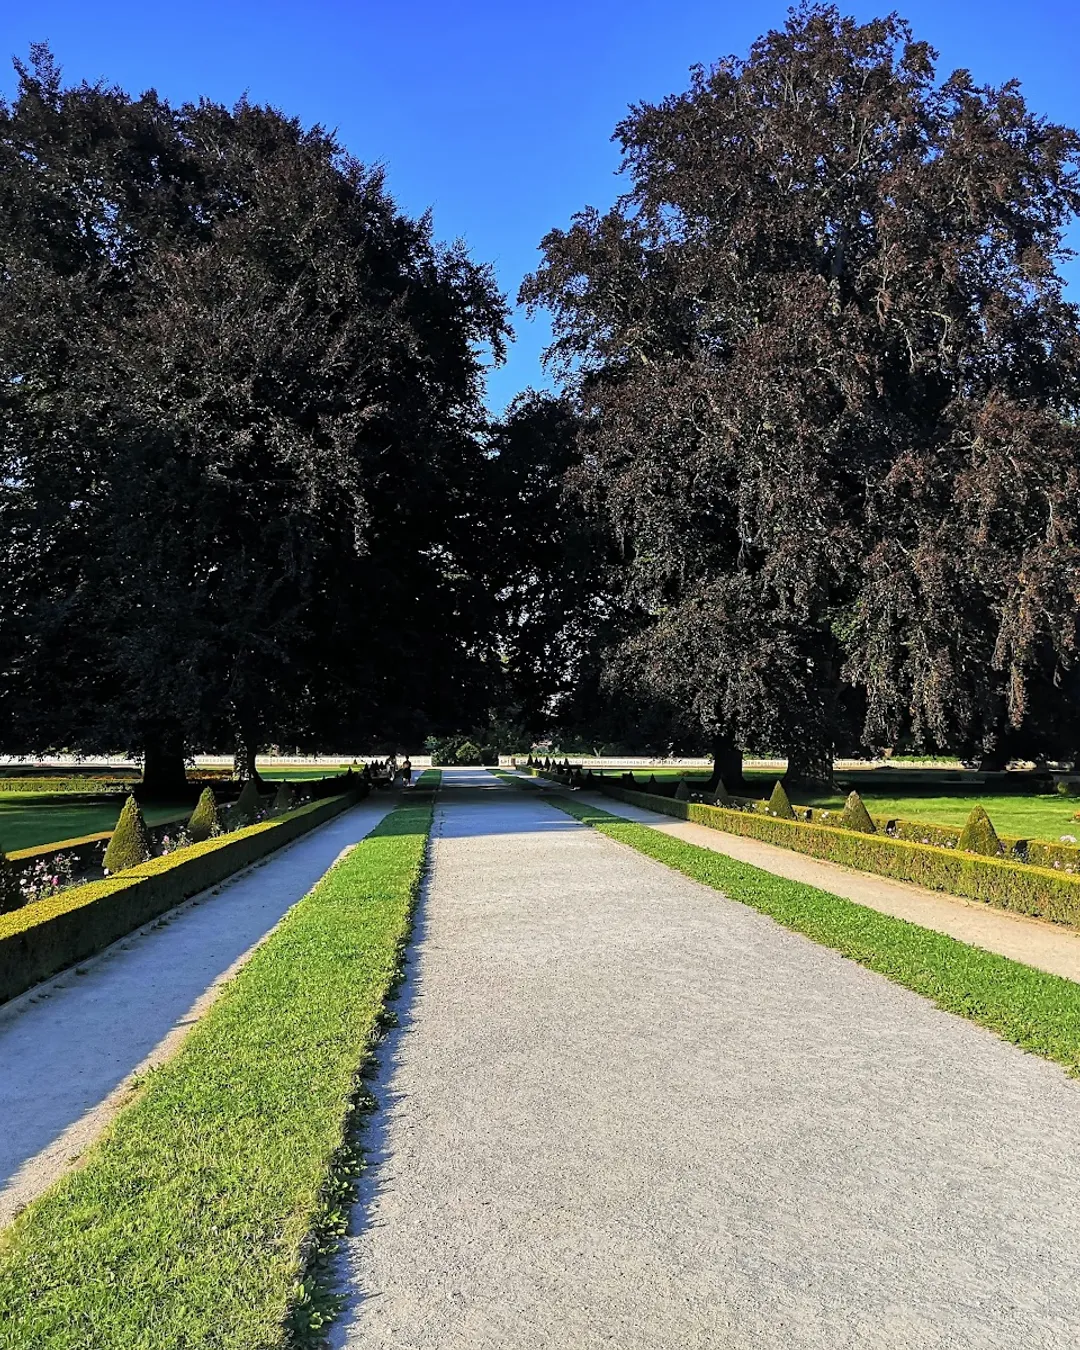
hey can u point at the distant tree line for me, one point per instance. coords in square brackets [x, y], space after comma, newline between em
[808, 483]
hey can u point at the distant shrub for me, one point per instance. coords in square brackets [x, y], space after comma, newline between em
[467, 753]
[130, 843]
[855, 815]
[682, 792]
[246, 807]
[780, 804]
[979, 835]
[1069, 787]
[204, 822]
[284, 798]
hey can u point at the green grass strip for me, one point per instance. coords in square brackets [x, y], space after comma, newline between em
[430, 778]
[201, 1219]
[1032, 1009]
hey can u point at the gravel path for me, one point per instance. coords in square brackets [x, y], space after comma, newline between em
[1036, 942]
[69, 1047]
[623, 1111]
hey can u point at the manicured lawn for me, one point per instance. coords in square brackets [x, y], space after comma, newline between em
[1037, 1011]
[29, 821]
[185, 1226]
[1037, 817]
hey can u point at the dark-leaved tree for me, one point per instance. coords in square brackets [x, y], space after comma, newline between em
[827, 382]
[237, 389]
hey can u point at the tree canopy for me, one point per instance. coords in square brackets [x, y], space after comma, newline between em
[809, 479]
[240, 396]
[827, 381]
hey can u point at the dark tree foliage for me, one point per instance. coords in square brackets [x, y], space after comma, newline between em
[828, 387]
[543, 560]
[240, 394]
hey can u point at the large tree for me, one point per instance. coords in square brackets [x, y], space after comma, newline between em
[828, 385]
[238, 388]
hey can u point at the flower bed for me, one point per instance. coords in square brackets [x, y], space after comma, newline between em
[48, 935]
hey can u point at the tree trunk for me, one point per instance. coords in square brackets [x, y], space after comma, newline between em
[809, 766]
[244, 760]
[164, 771]
[727, 765]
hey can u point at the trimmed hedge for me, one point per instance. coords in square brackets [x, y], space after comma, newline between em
[1035, 852]
[130, 844]
[994, 881]
[42, 938]
[94, 786]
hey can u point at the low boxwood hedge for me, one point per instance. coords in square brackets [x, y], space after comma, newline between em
[42, 938]
[1044, 853]
[1002, 882]
[62, 786]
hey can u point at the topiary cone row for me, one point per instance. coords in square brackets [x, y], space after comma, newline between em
[979, 836]
[855, 815]
[780, 803]
[130, 843]
[204, 821]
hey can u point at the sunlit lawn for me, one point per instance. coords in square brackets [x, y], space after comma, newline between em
[27, 821]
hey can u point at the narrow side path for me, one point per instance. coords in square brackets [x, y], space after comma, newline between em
[69, 1048]
[1035, 942]
[623, 1110]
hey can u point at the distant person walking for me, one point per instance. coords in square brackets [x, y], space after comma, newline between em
[406, 772]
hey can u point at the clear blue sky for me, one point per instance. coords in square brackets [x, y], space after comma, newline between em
[497, 114]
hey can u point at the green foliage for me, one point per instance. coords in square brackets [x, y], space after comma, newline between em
[204, 820]
[208, 1210]
[246, 807]
[38, 940]
[467, 753]
[721, 794]
[979, 835]
[855, 815]
[9, 885]
[1068, 787]
[130, 844]
[682, 791]
[779, 804]
[285, 797]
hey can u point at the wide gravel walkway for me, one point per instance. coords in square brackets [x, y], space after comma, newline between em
[623, 1111]
[69, 1047]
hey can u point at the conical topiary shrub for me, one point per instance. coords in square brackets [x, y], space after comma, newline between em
[855, 816]
[779, 805]
[682, 792]
[284, 798]
[204, 820]
[721, 796]
[246, 806]
[979, 836]
[10, 898]
[130, 844]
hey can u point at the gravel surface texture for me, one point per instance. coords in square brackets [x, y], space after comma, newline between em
[1036, 942]
[69, 1047]
[623, 1111]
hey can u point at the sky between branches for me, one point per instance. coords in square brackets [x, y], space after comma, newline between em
[495, 115]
